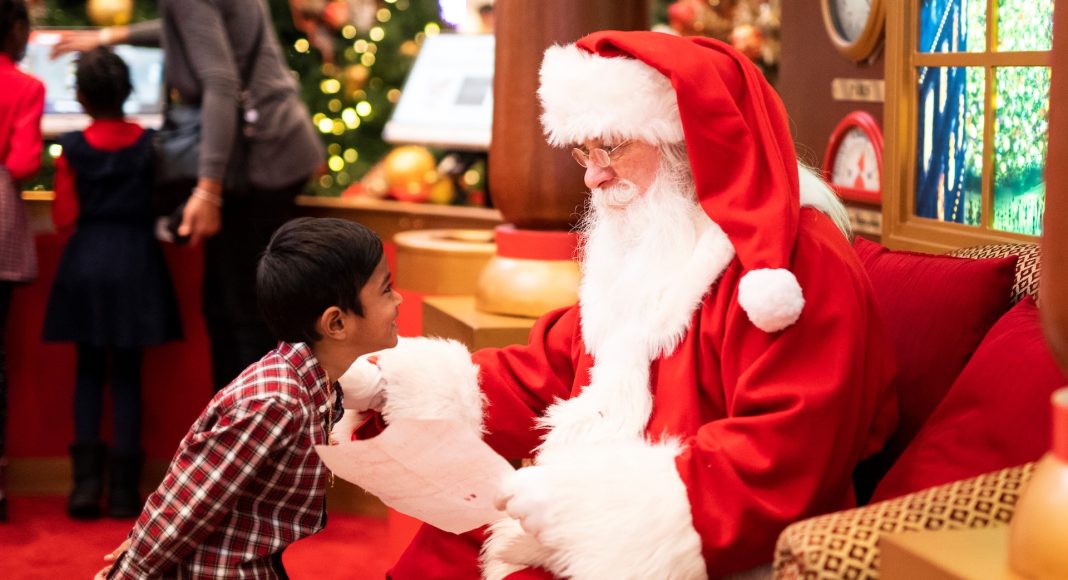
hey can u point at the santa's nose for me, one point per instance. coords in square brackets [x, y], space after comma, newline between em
[598, 176]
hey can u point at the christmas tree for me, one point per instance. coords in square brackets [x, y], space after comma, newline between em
[352, 57]
[751, 26]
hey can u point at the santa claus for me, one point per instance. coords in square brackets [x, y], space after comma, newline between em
[724, 370]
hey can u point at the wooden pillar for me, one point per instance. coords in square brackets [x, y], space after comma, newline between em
[1054, 281]
[533, 185]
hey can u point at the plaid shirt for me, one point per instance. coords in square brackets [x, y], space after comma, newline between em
[245, 482]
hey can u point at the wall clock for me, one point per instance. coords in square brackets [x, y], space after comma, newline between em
[853, 161]
[854, 26]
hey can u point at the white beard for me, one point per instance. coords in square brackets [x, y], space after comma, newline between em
[646, 267]
[637, 258]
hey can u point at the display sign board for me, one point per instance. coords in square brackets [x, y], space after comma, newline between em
[447, 100]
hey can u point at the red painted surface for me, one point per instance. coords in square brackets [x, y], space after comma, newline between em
[513, 242]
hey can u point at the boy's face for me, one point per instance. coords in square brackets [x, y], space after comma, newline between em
[377, 328]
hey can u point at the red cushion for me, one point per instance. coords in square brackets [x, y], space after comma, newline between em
[996, 415]
[936, 310]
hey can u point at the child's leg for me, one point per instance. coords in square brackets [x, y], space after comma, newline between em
[126, 398]
[5, 303]
[87, 452]
[124, 501]
[89, 393]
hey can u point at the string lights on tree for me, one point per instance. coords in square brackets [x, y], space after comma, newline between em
[352, 57]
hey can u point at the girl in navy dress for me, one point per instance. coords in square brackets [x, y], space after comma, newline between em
[112, 295]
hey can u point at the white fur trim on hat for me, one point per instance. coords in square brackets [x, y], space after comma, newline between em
[586, 96]
[771, 297]
[431, 378]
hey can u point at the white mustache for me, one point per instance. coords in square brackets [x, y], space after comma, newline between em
[618, 196]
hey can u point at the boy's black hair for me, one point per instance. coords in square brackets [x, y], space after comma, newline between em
[11, 11]
[103, 82]
[310, 265]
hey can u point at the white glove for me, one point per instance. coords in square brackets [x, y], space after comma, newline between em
[362, 386]
[526, 495]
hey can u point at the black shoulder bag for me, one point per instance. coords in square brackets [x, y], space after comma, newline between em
[177, 145]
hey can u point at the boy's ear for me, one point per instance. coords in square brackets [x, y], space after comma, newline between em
[332, 323]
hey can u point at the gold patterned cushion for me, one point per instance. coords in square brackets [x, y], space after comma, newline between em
[844, 544]
[1026, 264]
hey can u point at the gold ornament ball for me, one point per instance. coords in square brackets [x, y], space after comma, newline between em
[109, 12]
[442, 192]
[407, 168]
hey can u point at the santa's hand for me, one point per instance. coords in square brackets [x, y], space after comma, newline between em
[526, 495]
[362, 386]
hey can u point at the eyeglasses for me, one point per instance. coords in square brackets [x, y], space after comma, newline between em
[600, 157]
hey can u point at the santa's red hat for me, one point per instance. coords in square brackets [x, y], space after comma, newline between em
[659, 88]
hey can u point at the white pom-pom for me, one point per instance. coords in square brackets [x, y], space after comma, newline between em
[771, 297]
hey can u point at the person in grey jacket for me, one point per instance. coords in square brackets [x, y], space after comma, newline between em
[208, 46]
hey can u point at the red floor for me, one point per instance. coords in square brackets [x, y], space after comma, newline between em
[41, 543]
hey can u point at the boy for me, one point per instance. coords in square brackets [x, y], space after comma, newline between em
[246, 482]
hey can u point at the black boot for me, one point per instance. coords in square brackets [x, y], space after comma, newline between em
[88, 462]
[124, 501]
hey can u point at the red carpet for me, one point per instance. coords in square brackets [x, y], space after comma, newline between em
[41, 543]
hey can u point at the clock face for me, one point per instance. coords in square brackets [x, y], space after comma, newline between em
[855, 164]
[850, 16]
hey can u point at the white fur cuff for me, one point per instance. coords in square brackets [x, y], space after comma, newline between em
[771, 297]
[431, 378]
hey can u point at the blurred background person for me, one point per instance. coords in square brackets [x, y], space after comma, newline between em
[207, 46]
[21, 105]
[112, 294]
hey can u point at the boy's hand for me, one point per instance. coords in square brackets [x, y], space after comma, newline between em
[362, 386]
[345, 427]
[110, 559]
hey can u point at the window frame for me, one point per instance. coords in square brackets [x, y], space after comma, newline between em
[902, 228]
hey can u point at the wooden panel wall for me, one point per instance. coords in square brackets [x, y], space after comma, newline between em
[808, 64]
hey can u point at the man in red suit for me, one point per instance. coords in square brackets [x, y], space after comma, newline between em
[725, 368]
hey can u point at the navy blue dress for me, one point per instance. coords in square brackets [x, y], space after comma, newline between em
[112, 287]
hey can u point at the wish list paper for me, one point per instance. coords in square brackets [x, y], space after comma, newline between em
[435, 470]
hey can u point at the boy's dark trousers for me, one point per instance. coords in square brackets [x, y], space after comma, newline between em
[237, 333]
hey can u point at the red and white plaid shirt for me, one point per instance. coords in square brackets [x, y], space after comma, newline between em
[246, 481]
